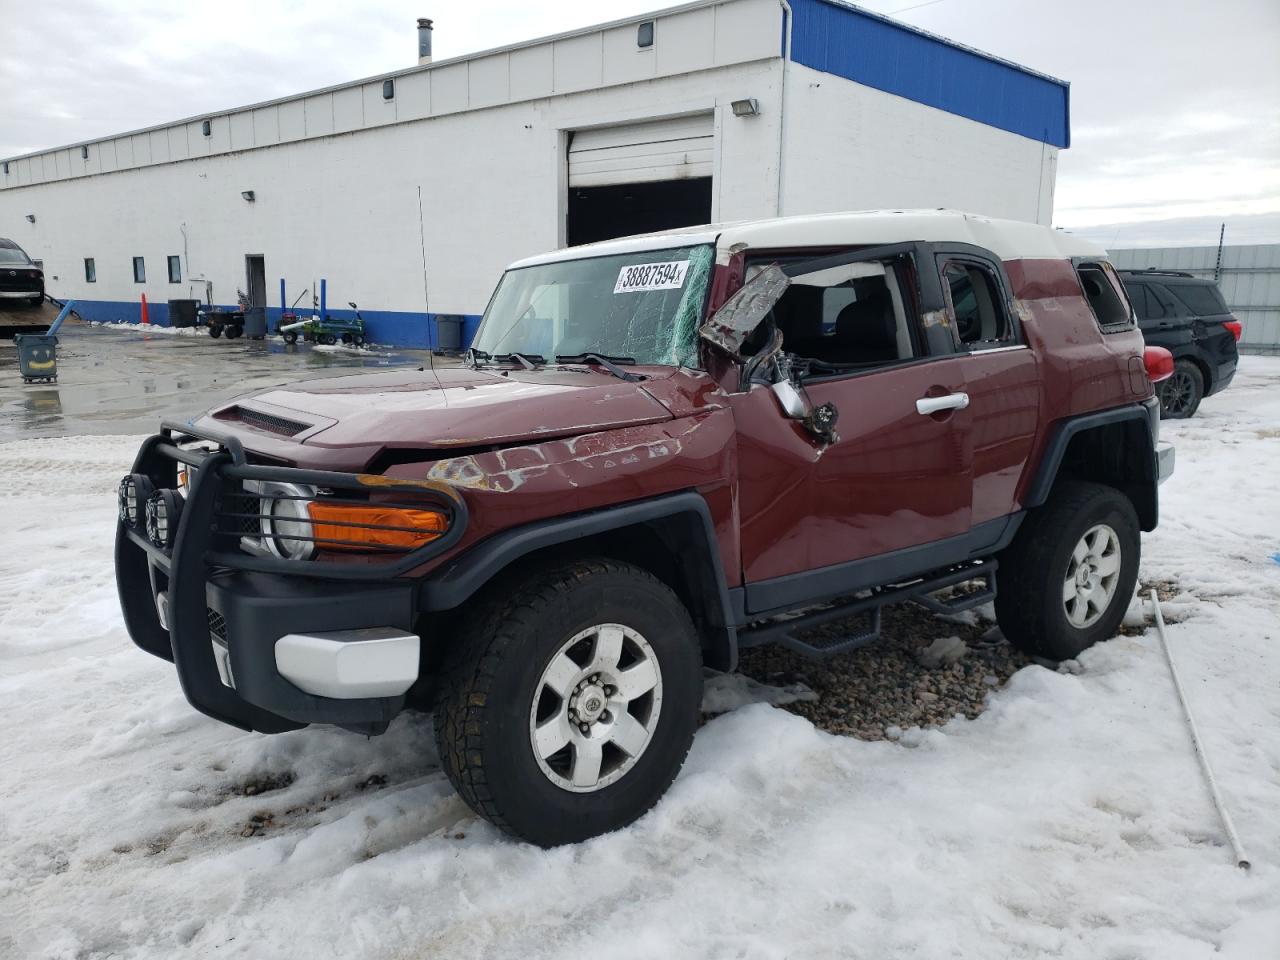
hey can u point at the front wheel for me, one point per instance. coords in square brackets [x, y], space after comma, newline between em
[290, 336]
[215, 331]
[1066, 580]
[1180, 394]
[571, 701]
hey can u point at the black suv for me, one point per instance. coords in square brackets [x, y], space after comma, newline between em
[20, 279]
[1188, 317]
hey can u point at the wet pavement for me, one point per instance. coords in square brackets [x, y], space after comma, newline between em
[111, 382]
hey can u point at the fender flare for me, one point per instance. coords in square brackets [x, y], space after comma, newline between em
[476, 567]
[1146, 416]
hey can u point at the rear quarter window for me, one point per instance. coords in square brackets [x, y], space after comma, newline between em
[1201, 299]
[1105, 294]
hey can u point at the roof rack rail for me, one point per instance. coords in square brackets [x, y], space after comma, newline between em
[1157, 271]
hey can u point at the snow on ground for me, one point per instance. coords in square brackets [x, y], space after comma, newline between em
[150, 329]
[1068, 820]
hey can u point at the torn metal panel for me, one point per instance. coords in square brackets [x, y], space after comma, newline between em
[743, 312]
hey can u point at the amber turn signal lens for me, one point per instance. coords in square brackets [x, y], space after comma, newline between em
[371, 526]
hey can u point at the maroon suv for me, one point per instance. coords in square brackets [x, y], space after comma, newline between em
[660, 451]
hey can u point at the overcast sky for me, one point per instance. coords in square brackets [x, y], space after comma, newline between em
[1175, 104]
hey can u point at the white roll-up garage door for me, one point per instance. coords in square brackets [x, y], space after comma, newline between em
[642, 152]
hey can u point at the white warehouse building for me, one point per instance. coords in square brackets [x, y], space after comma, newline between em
[409, 192]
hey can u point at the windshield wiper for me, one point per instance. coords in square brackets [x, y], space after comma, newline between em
[529, 361]
[609, 363]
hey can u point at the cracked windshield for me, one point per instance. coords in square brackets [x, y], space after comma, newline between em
[643, 306]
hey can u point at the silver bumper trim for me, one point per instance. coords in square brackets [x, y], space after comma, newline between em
[1164, 460]
[350, 664]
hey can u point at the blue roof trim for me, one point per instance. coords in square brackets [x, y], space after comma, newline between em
[877, 52]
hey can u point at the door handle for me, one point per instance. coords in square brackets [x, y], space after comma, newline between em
[952, 401]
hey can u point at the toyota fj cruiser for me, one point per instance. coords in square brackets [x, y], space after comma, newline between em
[661, 450]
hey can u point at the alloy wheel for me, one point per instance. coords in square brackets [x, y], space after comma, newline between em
[595, 707]
[1093, 572]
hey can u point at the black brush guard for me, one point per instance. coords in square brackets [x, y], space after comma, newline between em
[252, 601]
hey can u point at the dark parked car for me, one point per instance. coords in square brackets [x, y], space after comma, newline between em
[1188, 317]
[20, 279]
[661, 450]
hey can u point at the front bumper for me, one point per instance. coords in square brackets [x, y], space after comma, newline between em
[261, 643]
[21, 294]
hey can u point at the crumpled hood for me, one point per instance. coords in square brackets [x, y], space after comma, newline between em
[457, 407]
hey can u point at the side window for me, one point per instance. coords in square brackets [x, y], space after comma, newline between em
[1162, 302]
[1201, 299]
[848, 317]
[1105, 294]
[1145, 306]
[977, 305]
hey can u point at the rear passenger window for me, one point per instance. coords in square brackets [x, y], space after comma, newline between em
[977, 306]
[1201, 299]
[1105, 294]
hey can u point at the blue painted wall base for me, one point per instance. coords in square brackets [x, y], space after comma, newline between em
[391, 327]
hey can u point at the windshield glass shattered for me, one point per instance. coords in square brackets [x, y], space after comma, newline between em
[645, 306]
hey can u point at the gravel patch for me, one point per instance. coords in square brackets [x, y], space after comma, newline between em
[875, 692]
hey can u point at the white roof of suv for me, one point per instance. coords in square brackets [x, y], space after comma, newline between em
[1007, 239]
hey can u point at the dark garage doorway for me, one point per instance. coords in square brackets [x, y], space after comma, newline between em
[255, 268]
[618, 210]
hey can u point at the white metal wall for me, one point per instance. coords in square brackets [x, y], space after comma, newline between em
[1249, 278]
[850, 147]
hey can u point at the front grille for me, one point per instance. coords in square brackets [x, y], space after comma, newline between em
[269, 422]
[217, 627]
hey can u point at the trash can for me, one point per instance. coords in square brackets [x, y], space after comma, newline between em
[182, 313]
[37, 356]
[448, 334]
[255, 323]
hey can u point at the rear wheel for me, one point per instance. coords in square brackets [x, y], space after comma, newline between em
[571, 701]
[1180, 394]
[328, 339]
[215, 330]
[1067, 578]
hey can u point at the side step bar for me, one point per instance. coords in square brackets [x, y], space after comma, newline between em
[779, 629]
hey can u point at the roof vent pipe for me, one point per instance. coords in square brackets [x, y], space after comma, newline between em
[424, 40]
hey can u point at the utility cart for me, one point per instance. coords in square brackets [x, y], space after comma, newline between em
[219, 322]
[326, 330]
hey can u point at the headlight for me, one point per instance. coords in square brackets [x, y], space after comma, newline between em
[164, 510]
[285, 521]
[133, 491]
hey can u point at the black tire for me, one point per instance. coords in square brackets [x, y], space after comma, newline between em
[346, 338]
[328, 339]
[37, 302]
[234, 332]
[357, 340]
[1030, 605]
[1180, 394]
[290, 337]
[215, 331]
[493, 673]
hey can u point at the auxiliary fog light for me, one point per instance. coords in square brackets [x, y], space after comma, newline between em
[164, 510]
[132, 493]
